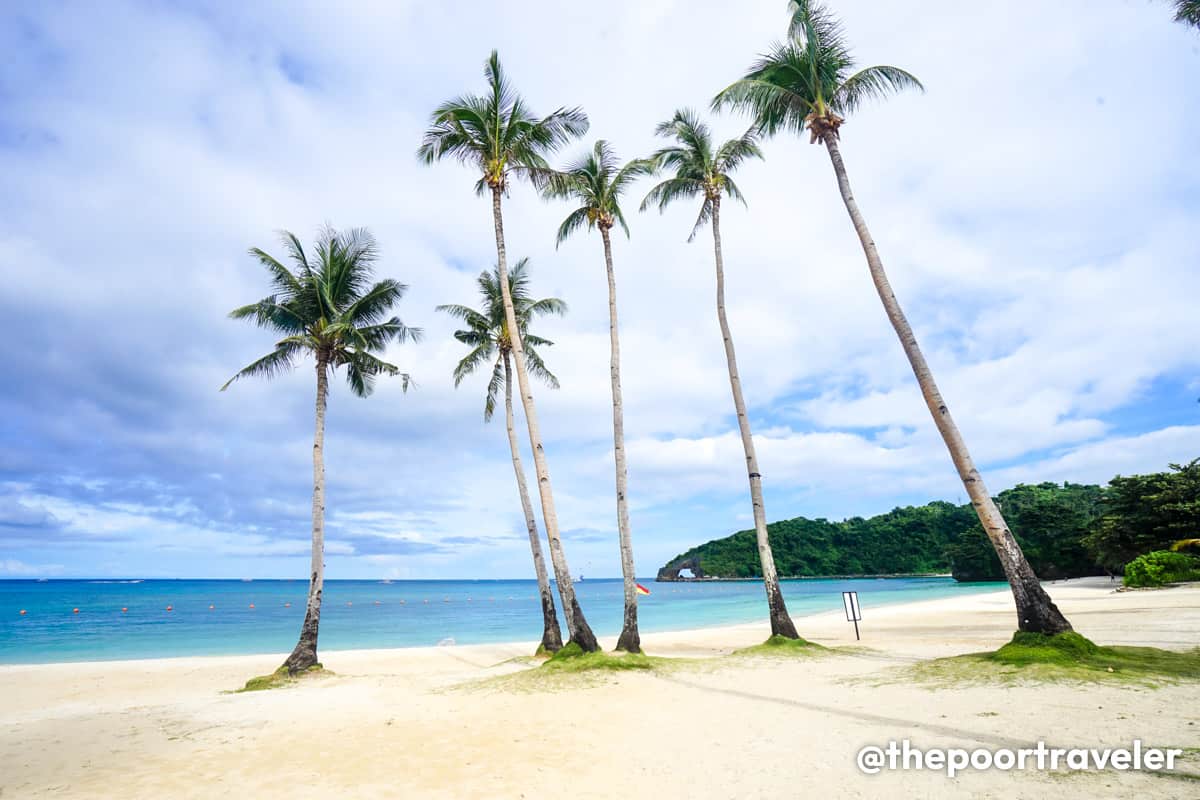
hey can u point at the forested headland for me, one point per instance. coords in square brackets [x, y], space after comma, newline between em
[1066, 530]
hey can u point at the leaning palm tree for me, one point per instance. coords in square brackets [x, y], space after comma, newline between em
[808, 82]
[496, 134]
[596, 182]
[329, 309]
[487, 333]
[702, 170]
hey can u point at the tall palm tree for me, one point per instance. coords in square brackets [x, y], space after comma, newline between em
[808, 82]
[496, 134]
[1187, 12]
[487, 334]
[702, 170]
[328, 309]
[596, 182]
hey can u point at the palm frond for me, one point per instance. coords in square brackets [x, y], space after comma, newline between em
[574, 221]
[495, 385]
[362, 368]
[374, 303]
[328, 306]
[811, 75]
[537, 368]
[671, 190]
[1188, 12]
[497, 133]
[703, 219]
[547, 305]
[872, 83]
[472, 360]
[269, 313]
[281, 359]
[488, 331]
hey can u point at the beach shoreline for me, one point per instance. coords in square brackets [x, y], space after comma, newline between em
[416, 721]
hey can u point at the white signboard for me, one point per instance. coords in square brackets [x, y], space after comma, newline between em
[853, 612]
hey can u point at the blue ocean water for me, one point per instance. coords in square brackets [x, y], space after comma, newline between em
[129, 619]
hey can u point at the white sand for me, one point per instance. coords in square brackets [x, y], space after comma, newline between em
[389, 724]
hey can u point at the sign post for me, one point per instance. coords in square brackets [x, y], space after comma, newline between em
[853, 612]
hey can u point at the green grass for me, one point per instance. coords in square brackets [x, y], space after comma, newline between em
[781, 646]
[1067, 657]
[571, 668]
[279, 679]
[572, 660]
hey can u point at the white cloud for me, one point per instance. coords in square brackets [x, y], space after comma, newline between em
[1039, 234]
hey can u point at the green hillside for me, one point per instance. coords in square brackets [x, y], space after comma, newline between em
[1048, 520]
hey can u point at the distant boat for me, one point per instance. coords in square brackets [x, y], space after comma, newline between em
[247, 580]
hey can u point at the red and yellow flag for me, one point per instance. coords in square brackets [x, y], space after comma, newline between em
[641, 589]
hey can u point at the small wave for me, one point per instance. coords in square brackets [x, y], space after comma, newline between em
[139, 580]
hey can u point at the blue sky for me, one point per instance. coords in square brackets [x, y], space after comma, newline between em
[1036, 209]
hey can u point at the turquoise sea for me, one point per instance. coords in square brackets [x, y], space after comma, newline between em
[122, 619]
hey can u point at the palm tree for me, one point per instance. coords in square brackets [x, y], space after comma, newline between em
[328, 309]
[1188, 12]
[496, 134]
[808, 83]
[487, 335]
[701, 170]
[597, 182]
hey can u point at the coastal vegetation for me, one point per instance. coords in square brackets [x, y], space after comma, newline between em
[1162, 567]
[487, 334]
[1066, 530]
[1061, 657]
[1143, 513]
[327, 309]
[282, 678]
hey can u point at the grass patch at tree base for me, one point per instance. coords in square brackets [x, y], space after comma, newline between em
[781, 646]
[280, 678]
[1062, 657]
[572, 668]
[572, 659]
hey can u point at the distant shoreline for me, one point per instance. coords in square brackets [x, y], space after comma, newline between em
[710, 579]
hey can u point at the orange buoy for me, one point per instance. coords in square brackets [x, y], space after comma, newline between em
[401, 602]
[74, 610]
[22, 612]
[287, 605]
[252, 605]
[170, 608]
[376, 602]
[124, 609]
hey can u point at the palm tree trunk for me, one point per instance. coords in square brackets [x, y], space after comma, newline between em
[305, 653]
[577, 628]
[1036, 612]
[551, 636]
[781, 623]
[629, 640]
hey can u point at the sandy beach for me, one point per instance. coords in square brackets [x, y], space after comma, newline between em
[417, 723]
